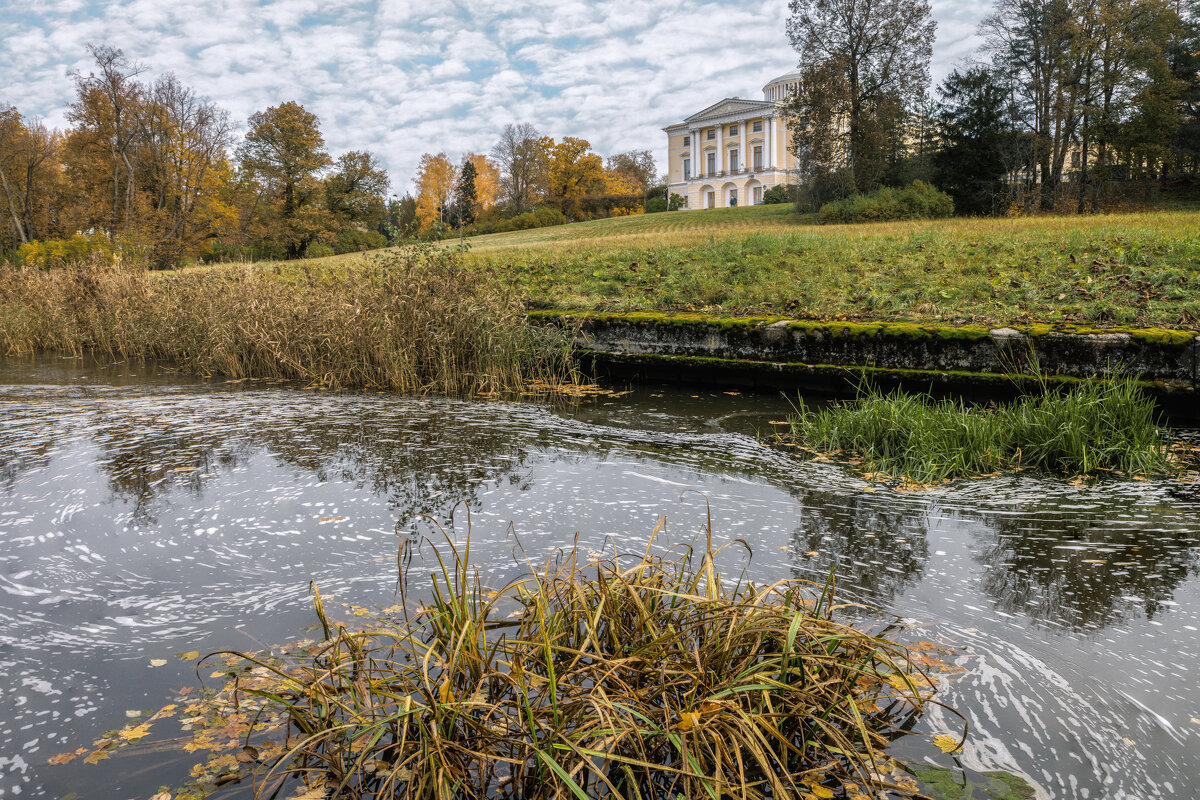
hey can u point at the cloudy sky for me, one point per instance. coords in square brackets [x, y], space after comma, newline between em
[403, 77]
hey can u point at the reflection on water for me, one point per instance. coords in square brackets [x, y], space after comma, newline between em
[143, 515]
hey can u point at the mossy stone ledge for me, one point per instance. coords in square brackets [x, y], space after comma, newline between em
[732, 349]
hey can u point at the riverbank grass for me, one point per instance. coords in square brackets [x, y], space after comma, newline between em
[637, 676]
[414, 320]
[1091, 427]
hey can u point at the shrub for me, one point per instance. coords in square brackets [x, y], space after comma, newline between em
[778, 194]
[52, 253]
[918, 200]
[352, 240]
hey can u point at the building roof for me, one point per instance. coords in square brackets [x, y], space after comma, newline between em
[730, 105]
[786, 77]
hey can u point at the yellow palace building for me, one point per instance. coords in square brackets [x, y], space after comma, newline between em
[733, 151]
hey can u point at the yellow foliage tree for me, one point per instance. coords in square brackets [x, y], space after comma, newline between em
[575, 170]
[435, 180]
[487, 180]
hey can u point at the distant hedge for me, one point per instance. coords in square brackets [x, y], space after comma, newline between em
[916, 201]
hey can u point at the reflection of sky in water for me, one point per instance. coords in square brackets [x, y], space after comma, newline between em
[141, 516]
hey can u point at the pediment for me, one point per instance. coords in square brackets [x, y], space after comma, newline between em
[731, 105]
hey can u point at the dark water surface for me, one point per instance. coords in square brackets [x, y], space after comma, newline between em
[143, 514]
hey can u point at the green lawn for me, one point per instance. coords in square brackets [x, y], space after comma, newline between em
[1126, 269]
[1118, 269]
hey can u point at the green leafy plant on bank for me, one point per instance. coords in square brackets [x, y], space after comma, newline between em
[1092, 426]
[918, 200]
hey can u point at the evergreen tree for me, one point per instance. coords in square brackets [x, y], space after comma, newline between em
[973, 127]
[464, 195]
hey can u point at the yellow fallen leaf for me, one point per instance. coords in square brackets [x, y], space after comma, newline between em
[133, 713]
[162, 796]
[190, 655]
[330, 519]
[687, 720]
[820, 791]
[947, 744]
[158, 662]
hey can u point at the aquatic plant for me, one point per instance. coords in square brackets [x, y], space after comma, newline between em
[592, 675]
[1091, 426]
[411, 320]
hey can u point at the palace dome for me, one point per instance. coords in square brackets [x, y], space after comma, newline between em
[778, 89]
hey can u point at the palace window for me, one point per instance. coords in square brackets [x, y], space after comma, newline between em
[712, 199]
[758, 156]
[733, 129]
[757, 196]
[687, 141]
[712, 163]
[733, 160]
[687, 168]
[712, 134]
[757, 127]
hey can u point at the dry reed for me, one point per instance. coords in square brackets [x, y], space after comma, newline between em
[647, 675]
[412, 321]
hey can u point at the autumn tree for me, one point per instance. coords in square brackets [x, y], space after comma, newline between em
[865, 57]
[634, 171]
[285, 152]
[487, 181]
[355, 189]
[575, 170]
[522, 155]
[435, 188]
[29, 179]
[105, 115]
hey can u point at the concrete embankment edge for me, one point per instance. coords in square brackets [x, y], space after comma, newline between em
[773, 353]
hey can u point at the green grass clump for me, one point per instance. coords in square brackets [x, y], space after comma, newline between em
[414, 320]
[917, 201]
[1092, 426]
[646, 675]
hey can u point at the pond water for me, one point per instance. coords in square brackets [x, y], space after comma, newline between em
[143, 514]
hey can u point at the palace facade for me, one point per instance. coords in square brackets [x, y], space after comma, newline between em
[733, 151]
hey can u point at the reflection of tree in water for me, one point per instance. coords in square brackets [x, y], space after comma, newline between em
[877, 549]
[25, 444]
[422, 463]
[1074, 568]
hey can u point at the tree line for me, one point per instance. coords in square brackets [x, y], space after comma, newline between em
[529, 180]
[1071, 104]
[151, 170]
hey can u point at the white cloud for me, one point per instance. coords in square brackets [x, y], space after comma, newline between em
[403, 77]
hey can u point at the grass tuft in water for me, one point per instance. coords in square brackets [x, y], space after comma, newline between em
[1093, 426]
[414, 320]
[647, 675]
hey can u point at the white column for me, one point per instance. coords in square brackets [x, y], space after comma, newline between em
[720, 148]
[695, 134]
[742, 159]
[769, 143]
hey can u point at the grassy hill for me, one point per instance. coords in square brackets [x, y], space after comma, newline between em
[1114, 269]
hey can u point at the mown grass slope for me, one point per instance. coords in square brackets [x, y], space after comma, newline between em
[1136, 269]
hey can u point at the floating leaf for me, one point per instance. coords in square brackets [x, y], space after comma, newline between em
[687, 720]
[820, 791]
[162, 796]
[947, 744]
[190, 655]
[158, 662]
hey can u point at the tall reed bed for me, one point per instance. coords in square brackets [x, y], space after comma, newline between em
[411, 321]
[1095, 425]
[646, 675]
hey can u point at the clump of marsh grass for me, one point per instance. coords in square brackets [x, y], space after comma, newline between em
[1093, 425]
[414, 320]
[647, 675]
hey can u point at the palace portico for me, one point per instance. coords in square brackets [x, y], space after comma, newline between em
[731, 152]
